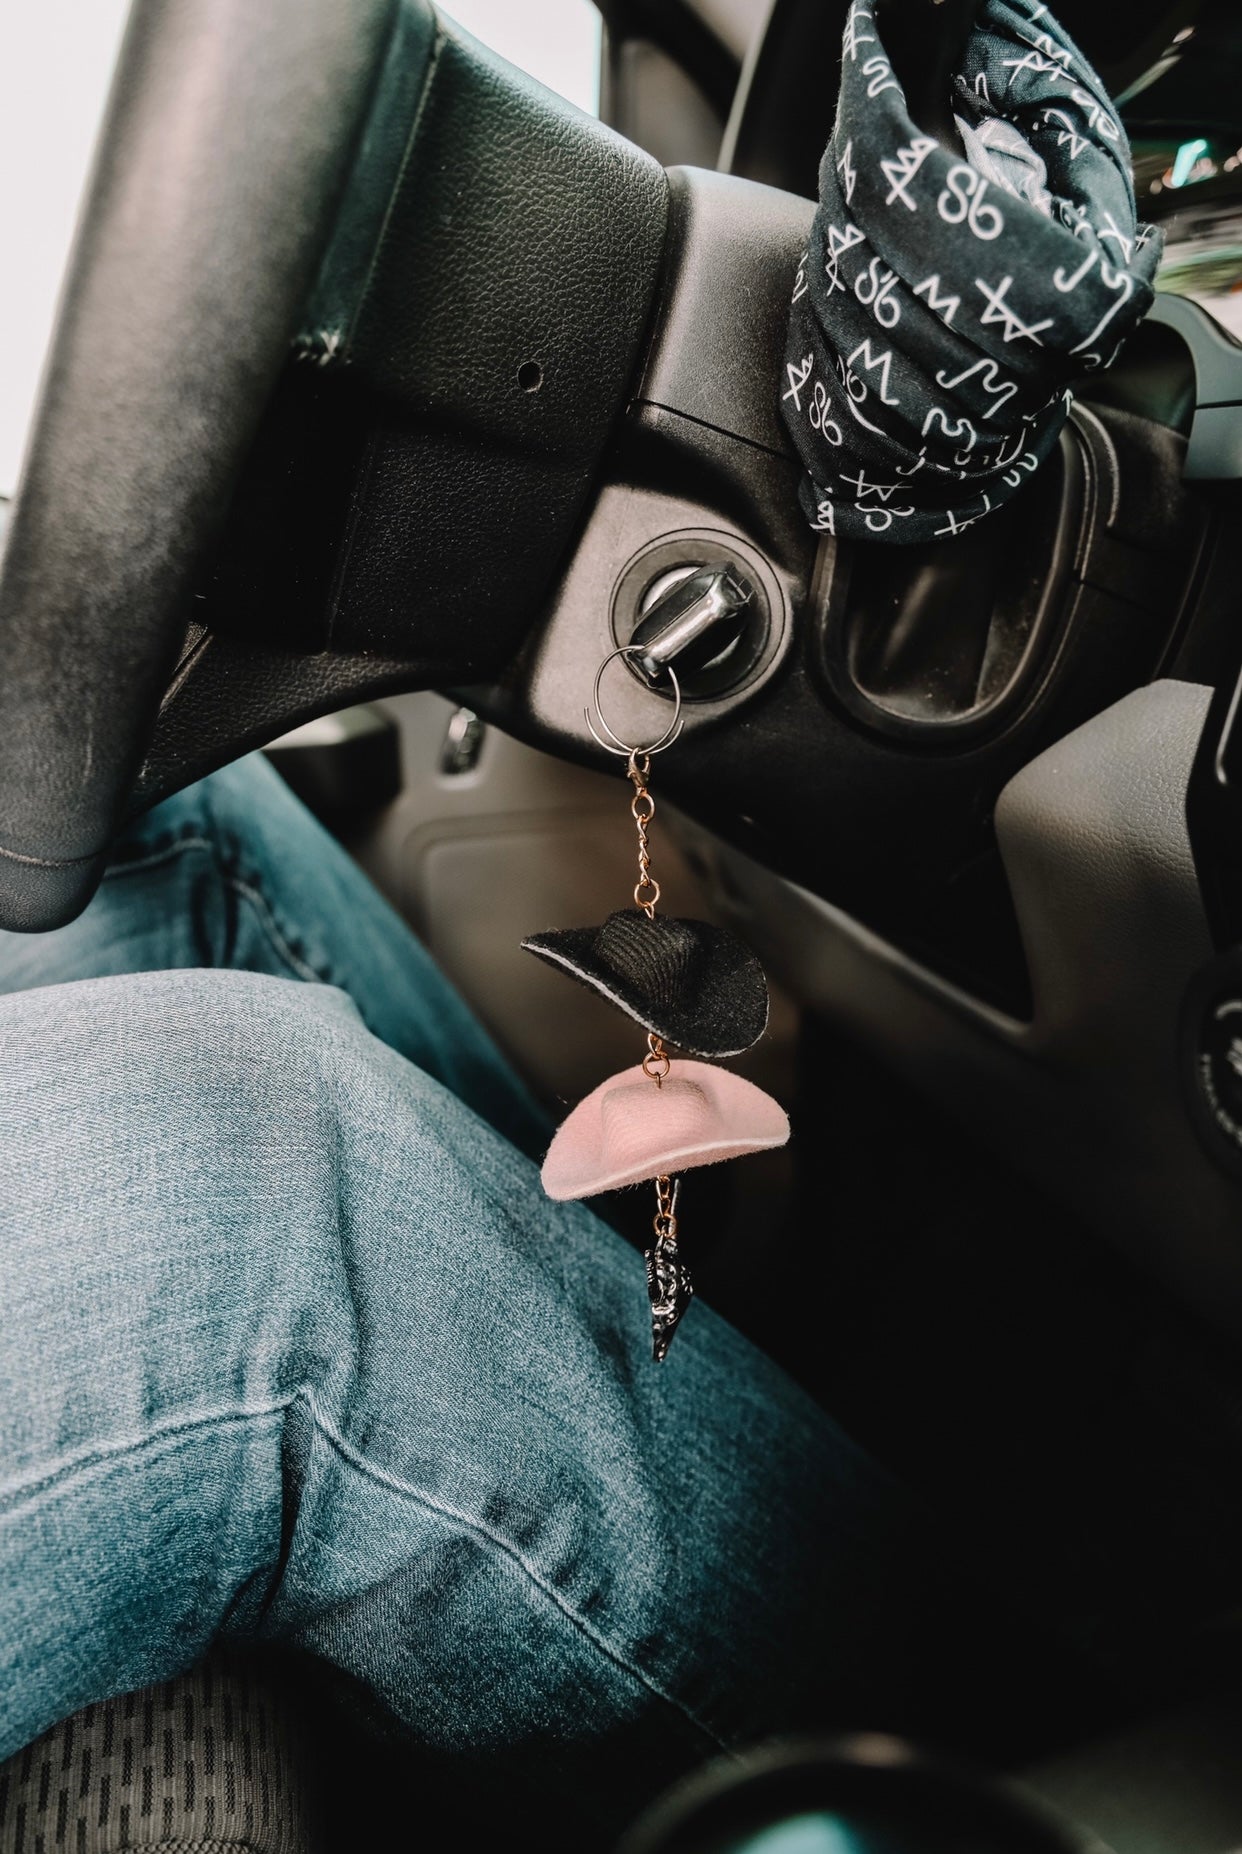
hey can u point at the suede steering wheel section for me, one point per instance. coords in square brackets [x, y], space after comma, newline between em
[945, 306]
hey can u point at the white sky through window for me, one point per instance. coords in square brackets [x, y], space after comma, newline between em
[557, 41]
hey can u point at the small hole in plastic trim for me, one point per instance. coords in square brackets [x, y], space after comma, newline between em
[530, 376]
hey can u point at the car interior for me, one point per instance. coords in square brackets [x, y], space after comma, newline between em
[389, 393]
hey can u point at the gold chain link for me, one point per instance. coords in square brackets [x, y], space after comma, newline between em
[656, 1062]
[642, 810]
[664, 1223]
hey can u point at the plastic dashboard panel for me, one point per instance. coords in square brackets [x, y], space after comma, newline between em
[1094, 839]
[898, 835]
[432, 492]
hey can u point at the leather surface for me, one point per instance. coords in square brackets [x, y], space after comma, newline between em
[225, 150]
[523, 235]
[517, 231]
[719, 347]
[229, 697]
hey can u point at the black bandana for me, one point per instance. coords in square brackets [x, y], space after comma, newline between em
[944, 305]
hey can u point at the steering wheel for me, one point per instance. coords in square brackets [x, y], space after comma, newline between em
[221, 161]
[299, 188]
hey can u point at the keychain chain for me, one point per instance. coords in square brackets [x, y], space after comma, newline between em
[664, 1223]
[668, 1278]
[642, 810]
[656, 1063]
[684, 980]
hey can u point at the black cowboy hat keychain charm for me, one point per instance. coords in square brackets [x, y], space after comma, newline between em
[687, 983]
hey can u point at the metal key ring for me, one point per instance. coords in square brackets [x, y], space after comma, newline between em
[619, 746]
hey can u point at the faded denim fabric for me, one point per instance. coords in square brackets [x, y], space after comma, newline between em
[294, 1349]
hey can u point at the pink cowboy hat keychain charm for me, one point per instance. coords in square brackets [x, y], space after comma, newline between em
[685, 982]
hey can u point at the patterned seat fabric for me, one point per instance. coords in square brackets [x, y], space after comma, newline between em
[213, 1762]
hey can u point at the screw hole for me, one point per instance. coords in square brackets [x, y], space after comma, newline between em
[530, 376]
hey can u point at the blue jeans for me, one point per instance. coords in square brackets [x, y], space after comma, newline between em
[294, 1350]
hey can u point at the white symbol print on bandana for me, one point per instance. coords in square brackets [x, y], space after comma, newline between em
[799, 372]
[1000, 310]
[963, 199]
[874, 289]
[988, 283]
[900, 171]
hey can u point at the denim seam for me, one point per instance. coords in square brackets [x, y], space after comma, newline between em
[154, 858]
[93, 1458]
[252, 891]
[361, 1465]
[271, 927]
[247, 889]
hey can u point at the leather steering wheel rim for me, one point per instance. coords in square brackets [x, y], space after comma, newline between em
[228, 138]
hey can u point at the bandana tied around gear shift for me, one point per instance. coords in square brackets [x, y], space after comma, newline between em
[943, 305]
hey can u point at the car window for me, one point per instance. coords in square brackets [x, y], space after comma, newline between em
[557, 41]
[56, 62]
[1184, 117]
[1184, 112]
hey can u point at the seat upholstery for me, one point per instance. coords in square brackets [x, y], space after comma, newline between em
[213, 1762]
